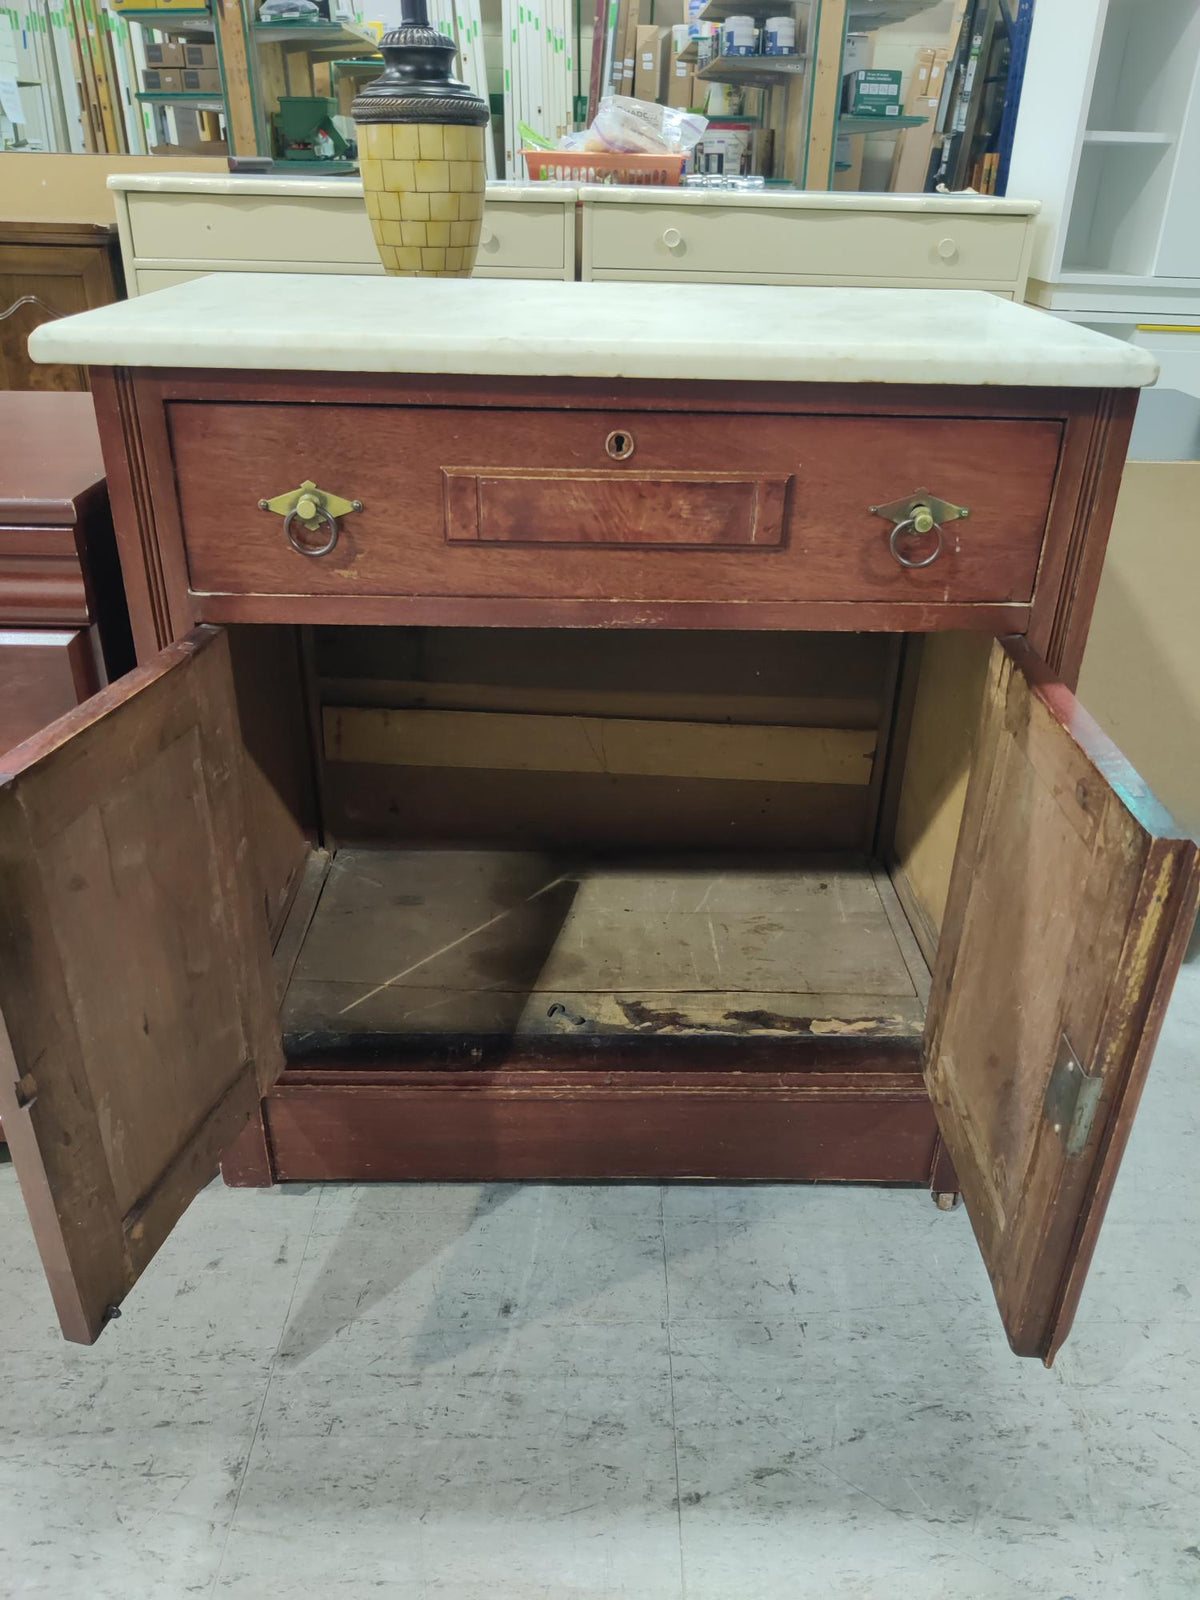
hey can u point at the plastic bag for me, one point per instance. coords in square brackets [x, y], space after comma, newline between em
[638, 126]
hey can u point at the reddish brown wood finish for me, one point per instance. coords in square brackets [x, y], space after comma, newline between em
[47, 270]
[553, 534]
[520, 505]
[866, 1125]
[144, 491]
[43, 673]
[1071, 901]
[139, 1028]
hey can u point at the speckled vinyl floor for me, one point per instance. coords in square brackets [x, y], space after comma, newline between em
[540, 1393]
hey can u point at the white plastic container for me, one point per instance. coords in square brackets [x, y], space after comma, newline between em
[779, 36]
[740, 37]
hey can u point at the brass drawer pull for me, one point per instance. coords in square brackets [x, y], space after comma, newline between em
[918, 515]
[313, 509]
[299, 511]
[620, 445]
[920, 523]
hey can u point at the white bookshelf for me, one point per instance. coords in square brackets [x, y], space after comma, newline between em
[1108, 139]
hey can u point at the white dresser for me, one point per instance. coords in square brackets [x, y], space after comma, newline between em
[898, 241]
[176, 226]
[179, 225]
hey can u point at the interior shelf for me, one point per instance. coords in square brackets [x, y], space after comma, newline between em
[1122, 136]
[458, 958]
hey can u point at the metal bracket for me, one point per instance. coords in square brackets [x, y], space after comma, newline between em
[902, 510]
[322, 504]
[1071, 1099]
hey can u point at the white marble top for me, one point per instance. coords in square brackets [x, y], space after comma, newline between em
[694, 332]
[347, 185]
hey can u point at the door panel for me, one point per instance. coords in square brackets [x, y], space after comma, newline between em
[1071, 900]
[138, 1023]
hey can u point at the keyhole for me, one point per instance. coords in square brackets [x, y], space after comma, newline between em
[619, 445]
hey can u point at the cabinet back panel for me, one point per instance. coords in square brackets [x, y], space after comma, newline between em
[603, 740]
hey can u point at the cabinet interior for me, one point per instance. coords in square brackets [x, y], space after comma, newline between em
[540, 846]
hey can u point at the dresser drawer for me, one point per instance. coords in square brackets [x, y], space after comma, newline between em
[464, 502]
[520, 238]
[799, 245]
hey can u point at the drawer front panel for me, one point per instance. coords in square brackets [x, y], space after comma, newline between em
[649, 509]
[807, 245]
[703, 507]
[323, 231]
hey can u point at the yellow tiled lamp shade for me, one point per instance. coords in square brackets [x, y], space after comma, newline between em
[424, 184]
[421, 150]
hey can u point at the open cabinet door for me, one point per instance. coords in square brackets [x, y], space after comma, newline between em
[1071, 901]
[137, 1021]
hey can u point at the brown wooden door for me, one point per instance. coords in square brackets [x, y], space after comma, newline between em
[138, 1025]
[1071, 901]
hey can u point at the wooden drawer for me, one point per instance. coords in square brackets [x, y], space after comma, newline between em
[465, 502]
[295, 233]
[800, 245]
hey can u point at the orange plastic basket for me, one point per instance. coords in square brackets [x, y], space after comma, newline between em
[609, 166]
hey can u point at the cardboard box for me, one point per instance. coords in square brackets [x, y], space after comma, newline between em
[167, 54]
[200, 80]
[650, 63]
[157, 81]
[195, 55]
[681, 88]
[914, 147]
[629, 47]
[872, 92]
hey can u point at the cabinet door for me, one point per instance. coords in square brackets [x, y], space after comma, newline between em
[137, 1022]
[1071, 901]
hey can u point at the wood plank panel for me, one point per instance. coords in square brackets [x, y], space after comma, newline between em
[504, 741]
[1071, 901]
[138, 1024]
[860, 1126]
[521, 506]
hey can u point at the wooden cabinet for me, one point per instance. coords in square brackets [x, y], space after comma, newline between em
[50, 269]
[592, 856]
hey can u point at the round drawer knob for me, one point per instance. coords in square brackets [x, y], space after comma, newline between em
[672, 238]
[947, 249]
[619, 445]
[488, 240]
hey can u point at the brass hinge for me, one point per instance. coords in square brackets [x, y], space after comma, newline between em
[1072, 1096]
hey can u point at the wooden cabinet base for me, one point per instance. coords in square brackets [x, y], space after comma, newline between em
[870, 1125]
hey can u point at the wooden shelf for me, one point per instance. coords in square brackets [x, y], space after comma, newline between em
[211, 102]
[326, 33]
[868, 125]
[760, 71]
[196, 24]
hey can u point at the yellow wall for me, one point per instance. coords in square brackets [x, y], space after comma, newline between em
[71, 188]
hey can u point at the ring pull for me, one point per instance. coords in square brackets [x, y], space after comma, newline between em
[917, 515]
[919, 526]
[619, 444]
[317, 511]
